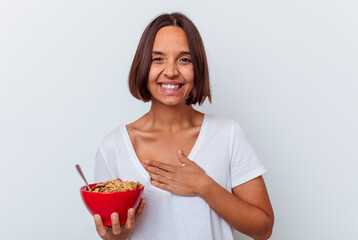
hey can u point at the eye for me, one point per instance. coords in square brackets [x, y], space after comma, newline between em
[157, 59]
[185, 60]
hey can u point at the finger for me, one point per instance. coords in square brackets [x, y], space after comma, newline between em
[160, 173]
[145, 165]
[183, 158]
[140, 208]
[116, 227]
[163, 186]
[166, 167]
[159, 178]
[130, 219]
[101, 228]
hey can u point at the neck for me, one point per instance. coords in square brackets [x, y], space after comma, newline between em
[171, 118]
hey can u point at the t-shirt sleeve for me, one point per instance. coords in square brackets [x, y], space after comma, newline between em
[102, 171]
[245, 165]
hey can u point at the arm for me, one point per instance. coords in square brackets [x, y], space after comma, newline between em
[247, 209]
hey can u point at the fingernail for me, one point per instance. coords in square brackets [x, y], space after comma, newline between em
[131, 212]
[146, 161]
[97, 217]
[115, 216]
[180, 152]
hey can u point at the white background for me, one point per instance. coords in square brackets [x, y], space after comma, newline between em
[286, 70]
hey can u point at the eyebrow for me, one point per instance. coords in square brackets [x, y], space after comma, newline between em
[181, 53]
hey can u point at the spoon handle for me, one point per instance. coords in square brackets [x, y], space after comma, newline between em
[79, 170]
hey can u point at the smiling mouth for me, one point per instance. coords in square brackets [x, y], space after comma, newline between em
[171, 86]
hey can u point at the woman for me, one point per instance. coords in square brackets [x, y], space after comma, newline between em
[200, 173]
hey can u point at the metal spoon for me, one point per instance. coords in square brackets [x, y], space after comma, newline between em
[79, 170]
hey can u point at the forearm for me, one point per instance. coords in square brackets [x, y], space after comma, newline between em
[238, 213]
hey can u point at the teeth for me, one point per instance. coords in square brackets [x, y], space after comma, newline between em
[167, 86]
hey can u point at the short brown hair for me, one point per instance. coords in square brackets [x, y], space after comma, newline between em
[139, 72]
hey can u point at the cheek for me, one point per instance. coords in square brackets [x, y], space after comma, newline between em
[153, 74]
[188, 75]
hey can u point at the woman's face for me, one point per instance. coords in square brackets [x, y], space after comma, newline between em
[171, 75]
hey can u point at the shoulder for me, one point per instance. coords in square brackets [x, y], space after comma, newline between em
[223, 124]
[225, 130]
[112, 139]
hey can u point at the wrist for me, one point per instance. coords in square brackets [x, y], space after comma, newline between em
[204, 185]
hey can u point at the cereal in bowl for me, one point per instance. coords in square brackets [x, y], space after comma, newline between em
[115, 185]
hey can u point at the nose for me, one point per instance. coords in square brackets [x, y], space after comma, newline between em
[171, 70]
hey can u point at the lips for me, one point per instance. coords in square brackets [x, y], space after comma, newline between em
[171, 88]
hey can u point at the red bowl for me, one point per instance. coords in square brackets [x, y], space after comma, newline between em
[105, 204]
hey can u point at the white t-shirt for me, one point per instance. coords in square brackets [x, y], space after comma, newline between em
[221, 149]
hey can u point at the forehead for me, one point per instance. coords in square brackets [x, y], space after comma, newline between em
[170, 38]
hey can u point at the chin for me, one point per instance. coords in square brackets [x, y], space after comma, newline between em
[171, 102]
